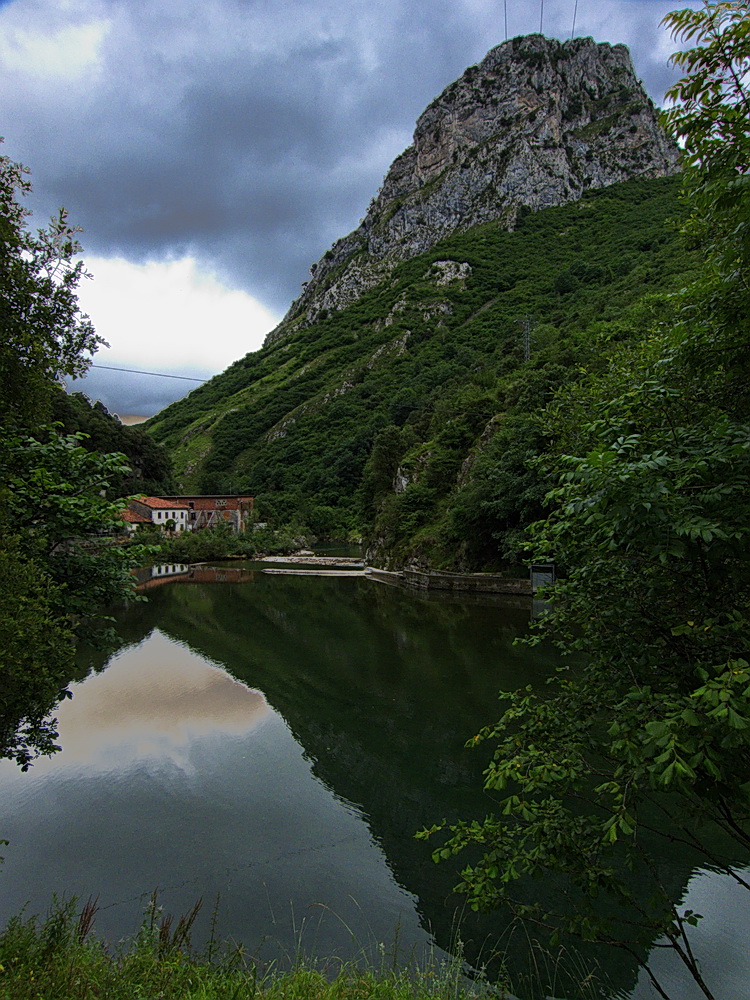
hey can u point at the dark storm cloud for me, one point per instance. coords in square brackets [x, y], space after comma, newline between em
[252, 134]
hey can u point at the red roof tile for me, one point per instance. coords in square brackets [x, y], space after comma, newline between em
[133, 518]
[158, 504]
[217, 502]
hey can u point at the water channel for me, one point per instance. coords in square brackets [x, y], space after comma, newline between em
[277, 740]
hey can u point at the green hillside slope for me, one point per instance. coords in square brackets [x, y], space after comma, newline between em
[409, 417]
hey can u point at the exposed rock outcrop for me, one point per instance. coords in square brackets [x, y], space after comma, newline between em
[536, 123]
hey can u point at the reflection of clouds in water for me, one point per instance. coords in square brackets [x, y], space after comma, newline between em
[720, 942]
[152, 700]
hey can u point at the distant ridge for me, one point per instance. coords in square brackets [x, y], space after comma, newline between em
[537, 123]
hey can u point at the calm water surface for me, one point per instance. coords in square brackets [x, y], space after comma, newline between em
[278, 740]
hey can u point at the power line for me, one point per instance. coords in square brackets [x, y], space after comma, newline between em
[135, 371]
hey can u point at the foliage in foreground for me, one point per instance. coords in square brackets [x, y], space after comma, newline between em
[60, 957]
[644, 740]
[55, 573]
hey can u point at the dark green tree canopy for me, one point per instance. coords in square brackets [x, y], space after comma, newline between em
[44, 335]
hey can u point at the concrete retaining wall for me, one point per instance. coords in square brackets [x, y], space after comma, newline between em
[478, 583]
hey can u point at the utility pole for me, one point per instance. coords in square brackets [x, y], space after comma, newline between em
[527, 324]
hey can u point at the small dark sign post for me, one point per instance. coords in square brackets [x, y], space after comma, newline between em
[542, 575]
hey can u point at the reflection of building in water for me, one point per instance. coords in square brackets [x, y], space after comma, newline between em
[219, 574]
[154, 576]
[160, 573]
[169, 569]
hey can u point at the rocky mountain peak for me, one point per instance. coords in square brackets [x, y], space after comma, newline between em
[536, 123]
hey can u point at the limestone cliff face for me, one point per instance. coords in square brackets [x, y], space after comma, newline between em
[536, 123]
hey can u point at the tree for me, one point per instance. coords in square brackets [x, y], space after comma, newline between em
[45, 337]
[149, 463]
[710, 117]
[57, 572]
[644, 734]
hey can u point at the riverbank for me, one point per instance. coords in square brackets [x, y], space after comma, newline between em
[283, 550]
[310, 564]
[61, 957]
[465, 583]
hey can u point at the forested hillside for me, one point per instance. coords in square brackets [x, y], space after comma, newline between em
[410, 417]
[148, 470]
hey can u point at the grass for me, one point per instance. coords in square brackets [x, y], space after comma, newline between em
[61, 958]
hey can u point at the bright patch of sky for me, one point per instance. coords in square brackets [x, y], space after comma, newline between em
[167, 318]
[171, 316]
[64, 53]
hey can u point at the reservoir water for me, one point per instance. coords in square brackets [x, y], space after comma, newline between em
[271, 744]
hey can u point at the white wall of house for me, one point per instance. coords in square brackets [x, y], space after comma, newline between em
[160, 517]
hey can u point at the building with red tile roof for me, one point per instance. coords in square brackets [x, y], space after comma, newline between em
[206, 510]
[165, 514]
[189, 513]
[132, 519]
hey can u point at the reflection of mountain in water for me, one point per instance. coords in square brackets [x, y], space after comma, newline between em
[382, 690]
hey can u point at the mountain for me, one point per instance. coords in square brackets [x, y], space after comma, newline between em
[536, 123]
[506, 250]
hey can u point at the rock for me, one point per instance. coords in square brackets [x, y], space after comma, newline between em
[537, 123]
[445, 272]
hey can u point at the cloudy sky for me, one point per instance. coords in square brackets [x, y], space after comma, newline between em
[213, 149]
